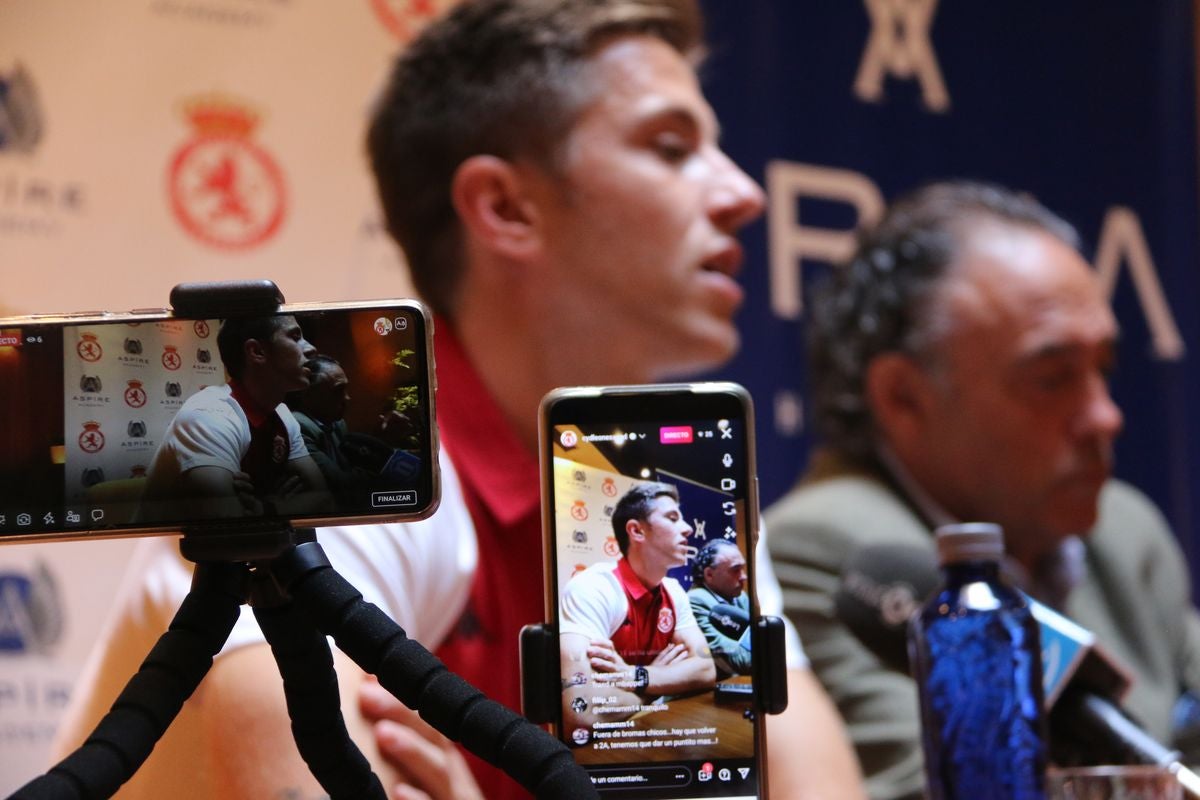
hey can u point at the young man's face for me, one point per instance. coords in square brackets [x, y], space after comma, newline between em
[286, 355]
[1023, 423]
[641, 218]
[664, 533]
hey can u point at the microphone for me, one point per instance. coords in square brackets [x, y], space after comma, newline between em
[880, 589]
[882, 586]
[729, 620]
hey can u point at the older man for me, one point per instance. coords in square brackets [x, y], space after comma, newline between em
[960, 362]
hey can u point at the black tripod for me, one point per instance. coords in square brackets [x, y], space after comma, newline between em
[298, 599]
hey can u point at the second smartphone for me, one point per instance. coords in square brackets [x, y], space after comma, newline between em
[650, 513]
[136, 423]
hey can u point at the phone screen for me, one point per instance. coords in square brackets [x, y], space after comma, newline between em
[651, 503]
[132, 424]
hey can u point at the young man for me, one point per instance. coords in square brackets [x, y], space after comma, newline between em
[960, 363]
[235, 448]
[626, 623]
[552, 173]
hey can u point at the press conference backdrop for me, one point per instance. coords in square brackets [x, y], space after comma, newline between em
[838, 107]
[146, 142]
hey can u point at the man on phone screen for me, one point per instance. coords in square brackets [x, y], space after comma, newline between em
[551, 170]
[235, 449]
[721, 605]
[626, 623]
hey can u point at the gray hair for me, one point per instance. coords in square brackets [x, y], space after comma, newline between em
[882, 300]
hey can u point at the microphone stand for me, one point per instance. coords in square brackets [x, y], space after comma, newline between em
[1083, 723]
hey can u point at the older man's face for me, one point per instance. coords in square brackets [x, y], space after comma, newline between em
[1023, 422]
[727, 574]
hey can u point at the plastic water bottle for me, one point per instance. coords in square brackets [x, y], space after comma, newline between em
[976, 656]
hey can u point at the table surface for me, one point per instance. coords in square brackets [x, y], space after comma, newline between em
[684, 718]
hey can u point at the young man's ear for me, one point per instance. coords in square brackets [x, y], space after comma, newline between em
[898, 391]
[494, 206]
[255, 351]
[634, 529]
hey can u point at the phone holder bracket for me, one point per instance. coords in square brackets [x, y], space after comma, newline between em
[231, 542]
[239, 543]
[541, 686]
[226, 298]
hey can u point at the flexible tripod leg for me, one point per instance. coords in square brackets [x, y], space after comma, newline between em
[536, 760]
[152, 698]
[310, 686]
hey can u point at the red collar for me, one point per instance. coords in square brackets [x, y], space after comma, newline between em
[487, 453]
[254, 414]
[630, 580]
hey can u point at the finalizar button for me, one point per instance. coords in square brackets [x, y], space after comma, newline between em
[385, 499]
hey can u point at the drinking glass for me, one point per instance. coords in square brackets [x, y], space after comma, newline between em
[1113, 783]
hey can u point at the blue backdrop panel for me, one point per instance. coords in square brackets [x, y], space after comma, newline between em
[1090, 106]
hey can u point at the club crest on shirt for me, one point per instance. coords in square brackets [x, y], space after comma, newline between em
[666, 620]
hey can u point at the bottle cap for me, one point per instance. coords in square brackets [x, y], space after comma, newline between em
[969, 541]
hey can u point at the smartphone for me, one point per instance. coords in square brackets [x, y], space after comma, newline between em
[117, 424]
[650, 517]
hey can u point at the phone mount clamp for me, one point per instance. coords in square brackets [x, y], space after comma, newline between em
[541, 686]
[298, 599]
